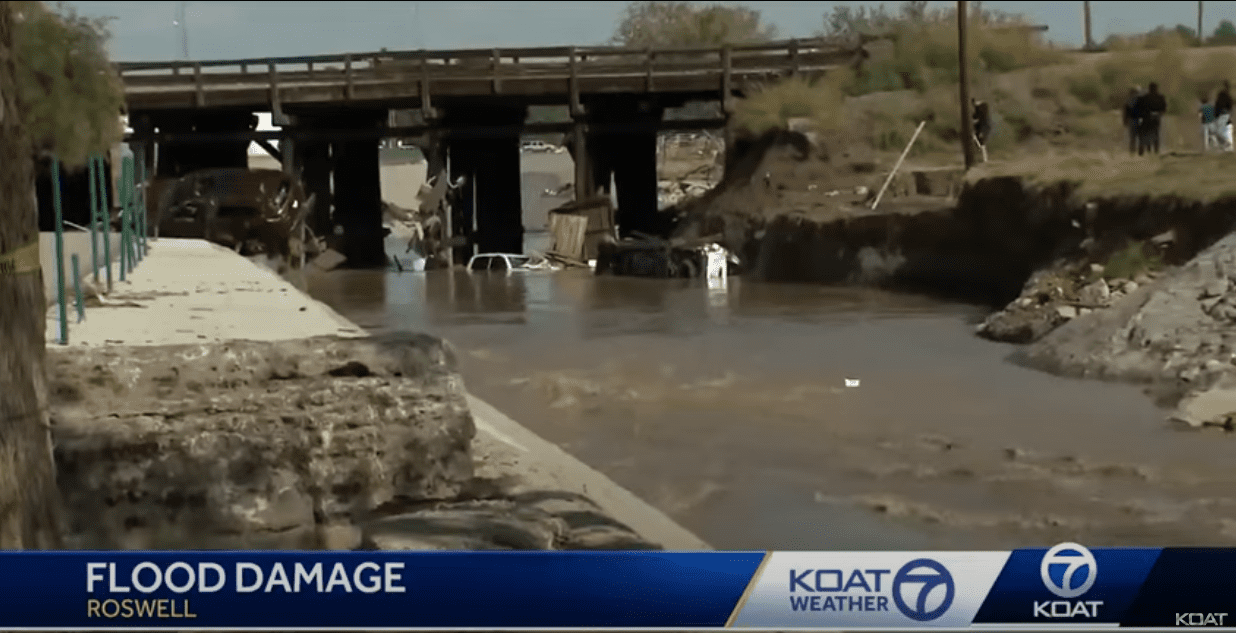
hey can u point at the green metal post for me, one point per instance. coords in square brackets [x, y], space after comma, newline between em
[142, 221]
[77, 290]
[104, 216]
[94, 220]
[60, 299]
[124, 218]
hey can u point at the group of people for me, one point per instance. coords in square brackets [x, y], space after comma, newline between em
[1143, 118]
[1217, 120]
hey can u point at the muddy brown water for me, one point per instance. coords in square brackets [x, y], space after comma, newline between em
[730, 411]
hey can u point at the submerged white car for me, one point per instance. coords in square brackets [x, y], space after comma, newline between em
[506, 262]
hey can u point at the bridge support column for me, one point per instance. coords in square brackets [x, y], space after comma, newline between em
[358, 192]
[584, 164]
[626, 147]
[491, 165]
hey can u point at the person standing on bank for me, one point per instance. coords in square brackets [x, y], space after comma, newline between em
[1132, 120]
[982, 124]
[1151, 108]
[1223, 115]
[1210, 129]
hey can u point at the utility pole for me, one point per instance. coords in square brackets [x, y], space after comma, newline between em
[182, 22]
[1086, 22]
[967, 123]
[1201, 37]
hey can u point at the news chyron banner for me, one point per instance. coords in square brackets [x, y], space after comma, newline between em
[1067, 586]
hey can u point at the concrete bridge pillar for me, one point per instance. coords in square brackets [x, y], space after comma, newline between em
[625, 145]
[178, 159]
[358, 190]
[490, 162]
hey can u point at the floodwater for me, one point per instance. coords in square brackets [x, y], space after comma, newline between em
[730, 411]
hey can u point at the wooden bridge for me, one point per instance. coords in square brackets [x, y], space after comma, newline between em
[331, 108]
[423, 79]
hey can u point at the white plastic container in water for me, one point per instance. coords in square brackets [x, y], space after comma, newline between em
[716, 268]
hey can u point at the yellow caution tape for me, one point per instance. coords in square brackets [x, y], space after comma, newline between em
[20, 261]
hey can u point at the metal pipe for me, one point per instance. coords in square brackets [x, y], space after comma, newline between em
[60, 299]
[77, 290]
[94, 220]
[124, 225]
[104, 215]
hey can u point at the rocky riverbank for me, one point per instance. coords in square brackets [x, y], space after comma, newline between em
[1177, 332]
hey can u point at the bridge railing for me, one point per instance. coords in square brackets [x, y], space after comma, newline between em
[786, 50]
[493, 65]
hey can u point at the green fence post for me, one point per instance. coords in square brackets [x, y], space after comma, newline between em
[60, 299]
[94, 219]
[77, 290]
[124, 224]
[105, 216]
[134, 230]
[142, 221]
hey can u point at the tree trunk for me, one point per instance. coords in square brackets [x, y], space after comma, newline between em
[29, 501]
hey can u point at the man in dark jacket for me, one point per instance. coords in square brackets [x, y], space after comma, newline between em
[1151, 107]
[1223, 116]
[982, 124]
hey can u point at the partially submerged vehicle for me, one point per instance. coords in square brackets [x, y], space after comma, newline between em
[648, 256]
[253, 211]
[507, 262]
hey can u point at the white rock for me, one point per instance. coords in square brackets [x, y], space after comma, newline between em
[1084, 311]
[1096, 268]
[1130, 287]
[1096, 293]
[1216, 365]
[1067, 312]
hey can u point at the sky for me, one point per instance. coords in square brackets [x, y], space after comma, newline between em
[147, 31]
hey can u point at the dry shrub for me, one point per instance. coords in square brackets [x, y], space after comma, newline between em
[774, 105]
[924, 54]
[1107, 84]
[70, 95]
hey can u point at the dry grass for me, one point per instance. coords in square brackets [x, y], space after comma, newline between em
[1204, 178]
[1042, 99]
[772, 107]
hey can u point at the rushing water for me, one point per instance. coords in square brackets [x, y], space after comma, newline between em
[729, 410]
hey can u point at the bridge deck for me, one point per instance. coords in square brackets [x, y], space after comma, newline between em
[428, 78]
